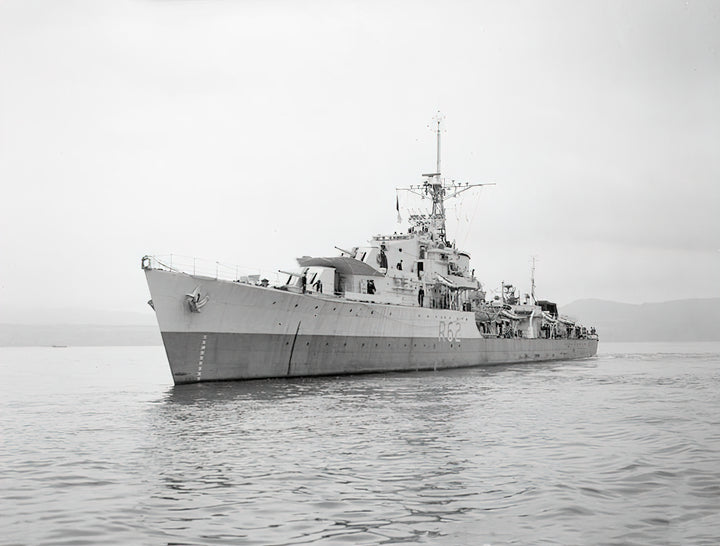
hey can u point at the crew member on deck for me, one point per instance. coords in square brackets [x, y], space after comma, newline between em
[382, 257]
[421, 296]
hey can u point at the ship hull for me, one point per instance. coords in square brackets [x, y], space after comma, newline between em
[249, 332]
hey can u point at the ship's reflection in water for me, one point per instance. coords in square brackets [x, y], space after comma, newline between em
[371, 458]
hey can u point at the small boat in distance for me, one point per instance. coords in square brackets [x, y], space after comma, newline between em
[407, 301]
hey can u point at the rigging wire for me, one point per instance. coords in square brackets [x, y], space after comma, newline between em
[471, 221]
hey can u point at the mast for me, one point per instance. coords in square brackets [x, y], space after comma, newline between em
[438, 119]
[438, 212]
[435, 188]
[532, 279]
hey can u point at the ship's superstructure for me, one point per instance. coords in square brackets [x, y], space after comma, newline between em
[407, 301]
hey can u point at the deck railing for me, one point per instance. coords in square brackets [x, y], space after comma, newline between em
[202, 267]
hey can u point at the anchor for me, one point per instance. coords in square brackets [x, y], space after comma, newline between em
[195, 301]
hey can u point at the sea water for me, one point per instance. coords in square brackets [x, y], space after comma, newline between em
[98, 447]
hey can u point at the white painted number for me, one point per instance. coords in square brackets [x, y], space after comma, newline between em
[449, 331]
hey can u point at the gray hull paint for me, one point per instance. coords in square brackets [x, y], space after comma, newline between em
[198, 356]
[249, 332]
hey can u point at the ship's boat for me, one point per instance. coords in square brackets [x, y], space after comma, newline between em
[405, 301]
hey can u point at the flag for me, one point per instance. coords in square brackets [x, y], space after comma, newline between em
[397, 207]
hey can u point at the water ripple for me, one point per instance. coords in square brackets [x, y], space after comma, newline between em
[620, 449]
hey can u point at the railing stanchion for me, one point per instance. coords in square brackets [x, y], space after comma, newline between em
[203, 268]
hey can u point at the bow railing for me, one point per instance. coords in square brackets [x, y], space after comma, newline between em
[202, 267]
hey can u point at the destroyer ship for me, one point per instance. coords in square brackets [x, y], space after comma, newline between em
[401, 302]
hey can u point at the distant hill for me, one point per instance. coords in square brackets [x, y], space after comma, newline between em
[679, 320]
[25, 327]
[78, 316]
[75, 335]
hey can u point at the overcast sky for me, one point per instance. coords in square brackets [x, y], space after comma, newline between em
[253, 132]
